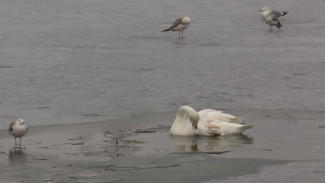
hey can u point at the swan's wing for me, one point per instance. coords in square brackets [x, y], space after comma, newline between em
[224, 128]
[214, 115]
[209, 128]
[238, 120]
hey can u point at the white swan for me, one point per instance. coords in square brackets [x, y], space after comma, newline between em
[189, 122]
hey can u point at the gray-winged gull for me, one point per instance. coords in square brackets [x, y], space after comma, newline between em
[276, 13]
[179, 25]
[18, 128]
[272, 20]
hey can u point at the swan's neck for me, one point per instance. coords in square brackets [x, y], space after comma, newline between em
[186, 113]
[186, 119]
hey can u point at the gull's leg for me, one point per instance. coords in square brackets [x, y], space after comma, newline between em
[20, 141]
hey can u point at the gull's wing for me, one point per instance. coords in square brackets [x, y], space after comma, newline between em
[175, 24]
[279, 13]
[11, 126]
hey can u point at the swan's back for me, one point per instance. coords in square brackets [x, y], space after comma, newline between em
[226, 128]
[214, 115]
[213, 122]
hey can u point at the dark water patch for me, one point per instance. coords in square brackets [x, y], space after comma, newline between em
[148, 37]
[145, 69]
[74, 139]
[134, 141]
[17, 157]
[287, 78]
[6, 66]
[222, 93]
[297, 88]
[245, 95]
[43, 107]
[40, 159]
[77, 143]
[80, 46]
[299, 74]
[144, 131]
[91, 115]
[138, 167]
[210, 44]
[202, 152]
[153, 129]
[183, 43]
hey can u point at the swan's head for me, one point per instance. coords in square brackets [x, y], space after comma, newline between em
[189, 113]
[186, 20]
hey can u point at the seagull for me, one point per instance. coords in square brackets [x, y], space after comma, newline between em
[276, 13]
[18, 128]
[179, 25]
[272, 20]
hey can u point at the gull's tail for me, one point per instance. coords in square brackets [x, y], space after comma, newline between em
[279, 25]
[284, 13]
[167, 29]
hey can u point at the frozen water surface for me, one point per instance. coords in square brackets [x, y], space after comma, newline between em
[73, 61]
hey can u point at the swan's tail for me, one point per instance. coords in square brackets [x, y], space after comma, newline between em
[245, 127]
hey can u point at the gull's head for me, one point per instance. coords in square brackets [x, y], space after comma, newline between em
[265, 9]
[20, 121]
[186, 20]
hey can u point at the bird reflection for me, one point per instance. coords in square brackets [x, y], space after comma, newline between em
[209, 143]
[17, 156]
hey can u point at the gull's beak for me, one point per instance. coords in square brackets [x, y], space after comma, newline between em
[195, 126]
